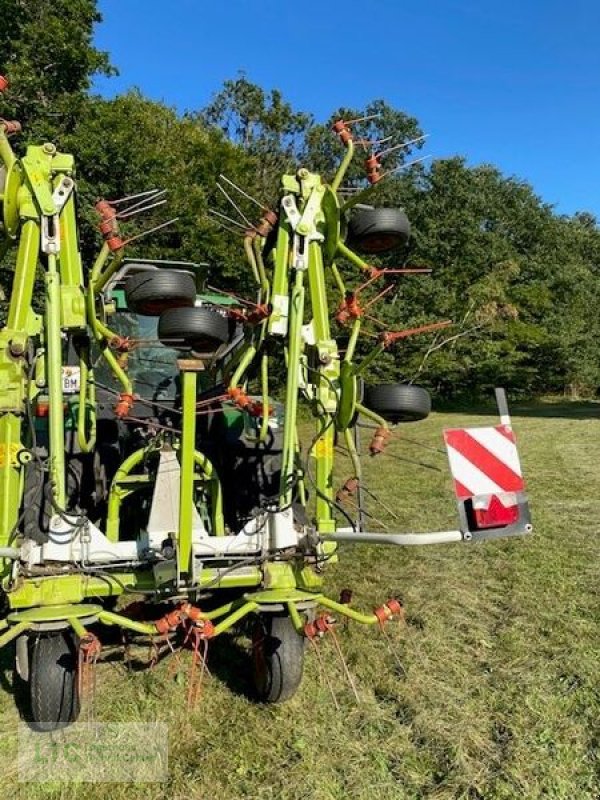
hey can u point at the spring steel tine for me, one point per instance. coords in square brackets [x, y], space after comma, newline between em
[367, 118]
[232, 221]
[129, 213]
[234, 204]
[417, 443]
[227, 227]
[392, 649]
[132, 197]
[234, 296]
[401, 145]
[371, 318]
[262, 206]
[151, 230]
[323, 673]
[378, 296]
[414, 461]
[380, 502]
[143, 201]
[405, 166]
[374, 142]
[347, 672]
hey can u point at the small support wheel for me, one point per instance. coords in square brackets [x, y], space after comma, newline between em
[277, 658]
[53, 688]
[398, 402]
[153, 291]
[375, 231]
[201, 328]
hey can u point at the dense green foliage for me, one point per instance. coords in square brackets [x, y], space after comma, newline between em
[520, 282]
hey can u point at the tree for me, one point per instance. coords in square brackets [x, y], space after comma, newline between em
[50, 60]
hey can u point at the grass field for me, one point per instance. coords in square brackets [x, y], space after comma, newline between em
[497, 693]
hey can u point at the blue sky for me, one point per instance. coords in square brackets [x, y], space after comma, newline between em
[516, 84]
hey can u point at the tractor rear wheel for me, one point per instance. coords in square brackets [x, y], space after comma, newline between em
[277, 658]
[53, 689]
[153, 291]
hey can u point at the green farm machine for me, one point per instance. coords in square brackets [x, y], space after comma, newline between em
[135, 459]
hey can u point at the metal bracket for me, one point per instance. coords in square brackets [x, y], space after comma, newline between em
[50, 227]
[62, 192]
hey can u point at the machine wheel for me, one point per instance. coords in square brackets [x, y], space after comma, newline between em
[203, 328]
[398, 402]
[378, 230]
[151, 292]
[277, 658]
[53, 690]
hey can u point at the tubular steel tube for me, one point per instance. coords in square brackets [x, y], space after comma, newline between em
[398, 539]
[242, 366]
[114, 497]
[357, 616]
[351, 256]
[216, 492]
[87, 393]
[187, 458]
[56, 416]
[251, 258]
[13, 632]
[236, 616]
[110, 618]
[291, 395]
[24, 277]
[342, 169]
[77, 626]
[295, 617]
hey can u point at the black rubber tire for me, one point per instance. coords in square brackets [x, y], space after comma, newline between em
[204, 329]
[277, 658]
[398, 402]
[378, 230]
[53, 689]
[151, 292]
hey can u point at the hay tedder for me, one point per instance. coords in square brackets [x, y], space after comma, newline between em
[141, 452]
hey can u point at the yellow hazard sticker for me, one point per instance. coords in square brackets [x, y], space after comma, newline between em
[323, 449]
[12, 451]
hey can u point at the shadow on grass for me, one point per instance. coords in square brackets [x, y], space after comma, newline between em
[12, 684]
[543, 409]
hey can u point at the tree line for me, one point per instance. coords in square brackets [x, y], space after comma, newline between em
[520, 282]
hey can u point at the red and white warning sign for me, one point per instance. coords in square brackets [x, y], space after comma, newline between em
[484, 461]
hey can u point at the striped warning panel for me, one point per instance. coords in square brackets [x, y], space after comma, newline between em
[483, 461]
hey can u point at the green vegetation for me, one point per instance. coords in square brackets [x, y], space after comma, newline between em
[506, 268]
[496, 695]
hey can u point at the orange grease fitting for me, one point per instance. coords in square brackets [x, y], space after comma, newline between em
[240, 399]
[258, 314]
[349, 309]
[322, 625]
[342, 130]
[266, 224]
[373, 168]
[121, 343]
[10, 126]
[391, 608]
[124, 405]
[185, 612]
[380, 440]
[348, 490]
[108, 225]
[90, 646]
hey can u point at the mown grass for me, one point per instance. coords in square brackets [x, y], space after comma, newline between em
[496, 689]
